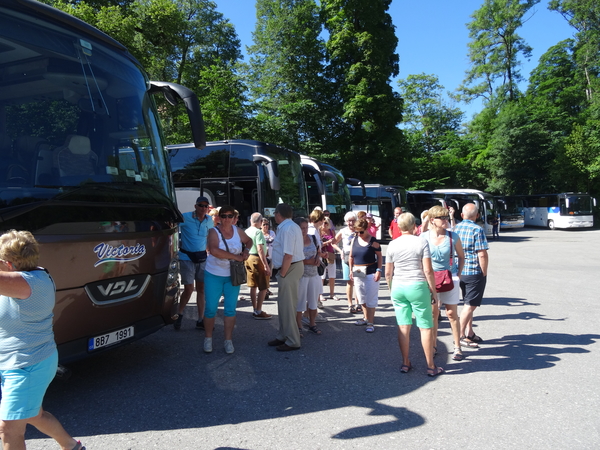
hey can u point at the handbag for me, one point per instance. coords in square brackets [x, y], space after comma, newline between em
[323, 263]
[237, 269]
[359, 271]
[443, 278]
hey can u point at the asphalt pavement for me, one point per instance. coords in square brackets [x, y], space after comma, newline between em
[533, 383]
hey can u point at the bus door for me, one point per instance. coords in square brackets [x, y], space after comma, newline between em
[241, 193]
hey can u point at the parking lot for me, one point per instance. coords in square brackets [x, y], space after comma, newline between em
[533, 383]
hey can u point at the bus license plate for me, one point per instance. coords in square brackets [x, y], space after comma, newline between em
[110, 338]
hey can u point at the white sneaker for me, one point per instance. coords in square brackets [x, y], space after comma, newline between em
[229, 346]
[320, 318]
[208, 345]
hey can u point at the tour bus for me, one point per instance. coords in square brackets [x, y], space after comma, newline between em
[249, 175]
[83, 167]
[380, 201]
[419, 201]
[565, 210]
[326, 188]
[511, 211]
[486, 204]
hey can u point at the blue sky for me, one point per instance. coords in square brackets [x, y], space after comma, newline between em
[432, 36]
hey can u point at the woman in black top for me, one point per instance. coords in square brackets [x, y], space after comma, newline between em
[365, 269]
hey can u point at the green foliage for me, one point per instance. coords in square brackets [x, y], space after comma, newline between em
[362, 60]
[494, 50]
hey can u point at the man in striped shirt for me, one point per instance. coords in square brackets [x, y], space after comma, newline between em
[474, 273]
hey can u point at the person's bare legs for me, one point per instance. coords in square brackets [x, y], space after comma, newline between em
[466, 320]
[312, 315]
[253, 298]
[188, 290]
[435, 309]
[229, 324]
[404, 343]
[427, 343]
[260, 299]
[331, 287]
[299, 318]
[12, 432]
[369, 313]
[209, 326]
[452, 314]
[349, 292]
[200, 299]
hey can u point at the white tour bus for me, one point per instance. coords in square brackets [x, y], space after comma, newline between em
[565, 210]
[486, 204]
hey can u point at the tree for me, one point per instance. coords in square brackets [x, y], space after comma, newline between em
[494, 50]
[285, 75]
[362, 60]
[584, 16]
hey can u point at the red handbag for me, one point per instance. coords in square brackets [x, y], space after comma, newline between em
[443, 278]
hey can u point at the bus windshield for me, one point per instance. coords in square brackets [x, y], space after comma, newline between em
[76, 125]
[579, 205]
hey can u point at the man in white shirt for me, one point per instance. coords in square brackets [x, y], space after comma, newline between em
[288, 257]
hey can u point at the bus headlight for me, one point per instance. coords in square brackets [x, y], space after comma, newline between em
[173, 272]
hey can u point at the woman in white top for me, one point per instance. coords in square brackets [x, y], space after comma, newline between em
[217, 277]
[408, 265]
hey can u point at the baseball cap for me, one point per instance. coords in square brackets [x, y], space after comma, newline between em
[202, 199]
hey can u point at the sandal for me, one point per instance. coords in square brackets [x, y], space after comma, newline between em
[475, 338]
[300, 331]
[405, 368]
[334, 297]
[457, 355]
[370, 328]
[468, 342]
[352, 309]
[79, 446]
[359, 309]
[360, 322]
[435, 371]
[314, 329]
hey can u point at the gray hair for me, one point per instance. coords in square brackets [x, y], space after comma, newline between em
[256, 218]
[349, 216]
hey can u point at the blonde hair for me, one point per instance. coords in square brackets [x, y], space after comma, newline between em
[406, 221]
[362, 223]
[20, 248]
[316, 216]
[438, 211]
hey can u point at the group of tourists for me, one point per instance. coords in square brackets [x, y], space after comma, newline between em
[302, 256]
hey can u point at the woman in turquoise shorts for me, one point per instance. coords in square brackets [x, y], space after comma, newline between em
[409, 274]
[28, 355]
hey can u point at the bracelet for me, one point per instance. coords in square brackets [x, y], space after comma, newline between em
[378, 270]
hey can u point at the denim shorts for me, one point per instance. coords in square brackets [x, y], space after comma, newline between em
[23, 389]
[190, 272]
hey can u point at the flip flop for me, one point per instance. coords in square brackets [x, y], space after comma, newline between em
[475, 338]
[468, 342]
[405, 368]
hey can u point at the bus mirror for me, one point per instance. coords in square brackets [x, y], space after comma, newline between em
[172, 92]
[272, 170]
[334, 183]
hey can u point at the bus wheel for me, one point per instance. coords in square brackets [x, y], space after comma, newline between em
[551, 224]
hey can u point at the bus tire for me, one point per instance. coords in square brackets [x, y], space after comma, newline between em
[551, 225]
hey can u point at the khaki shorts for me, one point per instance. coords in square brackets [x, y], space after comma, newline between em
[257, 276]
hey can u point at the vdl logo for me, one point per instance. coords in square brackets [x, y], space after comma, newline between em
[123, 253]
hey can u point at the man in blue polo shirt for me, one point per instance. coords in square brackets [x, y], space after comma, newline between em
[192, 257]
[474, 273]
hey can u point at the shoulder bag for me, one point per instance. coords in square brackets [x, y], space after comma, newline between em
[237, 269]
[323, 262]
[443, 278]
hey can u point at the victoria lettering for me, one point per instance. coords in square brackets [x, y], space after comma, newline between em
[123, 253]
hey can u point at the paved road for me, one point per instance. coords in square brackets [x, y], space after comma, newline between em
[534, 383]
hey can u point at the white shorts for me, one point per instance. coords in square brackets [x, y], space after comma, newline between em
[451, 297]
[330, 272]
[367, 290]
[308, 293]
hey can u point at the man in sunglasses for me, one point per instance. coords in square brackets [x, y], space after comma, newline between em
[192, 257]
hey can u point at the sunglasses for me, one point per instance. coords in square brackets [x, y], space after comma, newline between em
[443, 217]
[360, 231]
[201, 206]
[226, 216]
